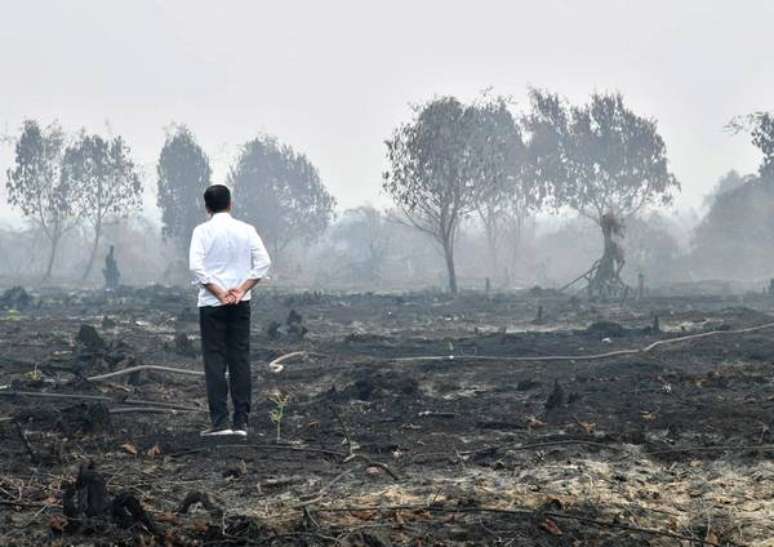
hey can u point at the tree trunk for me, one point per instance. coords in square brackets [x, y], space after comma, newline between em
[275, 253]
[448, 253]
[606, 263]
[51, 256]
[489, 220]
[491, 241]
[515, 250]
[94, 247]
[606, 281]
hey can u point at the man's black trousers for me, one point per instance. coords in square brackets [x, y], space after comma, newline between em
[226, 346]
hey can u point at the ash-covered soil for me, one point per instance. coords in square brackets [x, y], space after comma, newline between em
[386, 439]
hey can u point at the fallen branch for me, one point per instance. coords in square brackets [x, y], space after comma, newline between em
[17, 362]
[370, 463]
[322, 491]
[323, 451]
[521, 512]
[282, 481]
[545, 444]
[352, 446]
[431, 414]
[148, 410]
[735, 448]
[45, 395]
[138, 368]
[630, 528]
[97, 398]
[161, 404]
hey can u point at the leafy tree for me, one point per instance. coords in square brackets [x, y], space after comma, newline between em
[518, 231]
[735, 237]
[728, 182]
[506, 195]
[602, 160]
[280, 192]
[653, 248]
[108, 183]
[183, 175]
[760, 126]
[36, 186]
[435, 171]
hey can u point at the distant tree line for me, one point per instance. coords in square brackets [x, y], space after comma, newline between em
[275, 188]
[63, 182]
[736, 235]
[452, 164]
[60, 185]
[454, 160]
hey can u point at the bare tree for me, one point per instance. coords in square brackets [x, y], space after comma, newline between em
[107, 181]
[602, 160]
[36, 187]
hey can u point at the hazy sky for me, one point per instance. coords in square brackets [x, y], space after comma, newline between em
[332, 78]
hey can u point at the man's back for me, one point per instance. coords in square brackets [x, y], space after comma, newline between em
[226, 251]
[227, 260]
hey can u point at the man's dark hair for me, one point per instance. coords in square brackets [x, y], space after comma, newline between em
[217, 198]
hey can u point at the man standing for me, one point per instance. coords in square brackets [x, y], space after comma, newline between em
[227, 259]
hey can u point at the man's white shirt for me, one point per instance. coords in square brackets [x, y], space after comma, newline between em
[226, 252]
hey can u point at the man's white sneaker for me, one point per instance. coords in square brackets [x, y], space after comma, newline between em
[216, 432]
[240, 431]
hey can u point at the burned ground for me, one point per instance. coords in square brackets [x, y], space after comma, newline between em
[385, 439]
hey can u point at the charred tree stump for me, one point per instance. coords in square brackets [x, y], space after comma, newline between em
[556, 397]
[88, 498]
